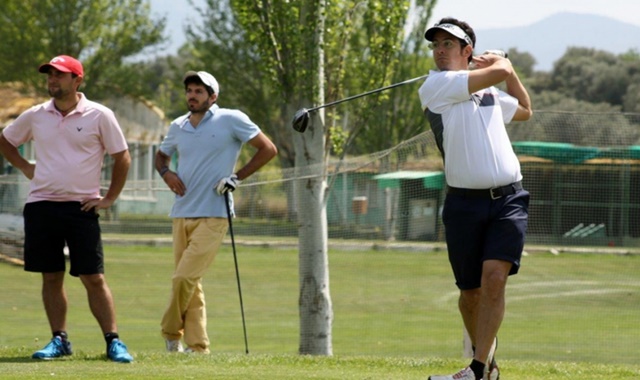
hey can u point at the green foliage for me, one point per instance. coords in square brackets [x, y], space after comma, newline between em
[219, 44]
[522, 61]
[386, 46]
[283, 34]
[591, 75]
[557, 101]
[101, 33]
[366, 45]
[361, 42]
[22, 36]
[265, 57]
[562, 112]
[161, 81]
[586, 80]
[338, 139]
[632, 97]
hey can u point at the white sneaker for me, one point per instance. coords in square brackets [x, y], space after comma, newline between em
[492, 351]
[492, 372]
[465, 374]
[190, 350]
[174, 345]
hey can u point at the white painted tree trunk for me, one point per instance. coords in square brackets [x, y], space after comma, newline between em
[316, 310]
[315, 307]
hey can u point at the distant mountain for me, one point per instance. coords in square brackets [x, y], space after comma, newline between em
[547, 40]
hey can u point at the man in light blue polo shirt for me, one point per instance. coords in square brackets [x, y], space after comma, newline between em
[208, 140]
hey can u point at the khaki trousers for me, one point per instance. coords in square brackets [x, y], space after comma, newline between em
[195, 244]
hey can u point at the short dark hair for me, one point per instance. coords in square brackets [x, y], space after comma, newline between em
[196, 80]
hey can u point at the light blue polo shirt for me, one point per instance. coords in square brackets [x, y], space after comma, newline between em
[206, 154]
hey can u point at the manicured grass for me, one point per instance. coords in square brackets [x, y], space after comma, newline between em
[287, 367]
[568, 316]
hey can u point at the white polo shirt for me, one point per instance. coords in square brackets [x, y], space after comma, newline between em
[470, 130]
[69, 149]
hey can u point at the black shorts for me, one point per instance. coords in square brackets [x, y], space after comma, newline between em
[484, 229]
[48, 226]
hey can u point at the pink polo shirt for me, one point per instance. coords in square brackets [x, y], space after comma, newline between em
[69, 150]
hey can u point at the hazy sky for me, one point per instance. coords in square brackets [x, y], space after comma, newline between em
[489, 14]
[480, 14]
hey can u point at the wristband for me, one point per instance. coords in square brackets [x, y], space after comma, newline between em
[163, 171]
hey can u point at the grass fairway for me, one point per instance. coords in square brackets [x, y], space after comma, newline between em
[568, 317]
[287, 367]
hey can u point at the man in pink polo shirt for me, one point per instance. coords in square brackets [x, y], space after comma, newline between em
[71, 135]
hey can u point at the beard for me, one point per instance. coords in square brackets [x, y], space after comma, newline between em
[198, 107]
[56, 92]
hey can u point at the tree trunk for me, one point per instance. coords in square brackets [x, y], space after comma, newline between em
[316, 310]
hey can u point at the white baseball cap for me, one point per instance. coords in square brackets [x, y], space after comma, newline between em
[452, 29]
[206, 78]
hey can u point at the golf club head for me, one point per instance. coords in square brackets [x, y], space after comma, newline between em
[301, 120]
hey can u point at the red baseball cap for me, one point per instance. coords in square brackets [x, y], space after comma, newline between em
[63, 63]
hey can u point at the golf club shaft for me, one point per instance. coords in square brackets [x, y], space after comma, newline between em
[368, 93]
[235, 260]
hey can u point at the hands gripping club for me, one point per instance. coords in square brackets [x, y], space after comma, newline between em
[228, 184]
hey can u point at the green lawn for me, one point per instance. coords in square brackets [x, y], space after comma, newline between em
[568, 316]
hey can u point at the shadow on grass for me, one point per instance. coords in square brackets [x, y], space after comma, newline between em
[75, 357]
[25, 359]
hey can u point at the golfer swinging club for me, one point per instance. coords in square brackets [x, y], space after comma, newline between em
[486, 209]
[208, 140]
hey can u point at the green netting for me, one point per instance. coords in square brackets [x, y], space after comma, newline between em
[558, 152]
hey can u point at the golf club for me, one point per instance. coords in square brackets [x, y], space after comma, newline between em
[235, 260]
[301, 118]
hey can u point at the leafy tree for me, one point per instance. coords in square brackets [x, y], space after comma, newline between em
[22, 38]
[159, 80]
[307, 48]
[522, 61]
[101, 33]
[591, 75]
[219, 44]
[631, 55]
[557, 116]
[632, 97]
[631, 100]
[379, 121]
[290, 40]
[538, 82]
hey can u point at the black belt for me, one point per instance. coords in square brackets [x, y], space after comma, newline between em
[493, 193]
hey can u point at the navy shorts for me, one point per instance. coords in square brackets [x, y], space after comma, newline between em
[484, 229]
[49, 225]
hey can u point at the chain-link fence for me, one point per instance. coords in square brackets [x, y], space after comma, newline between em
[582, 170]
